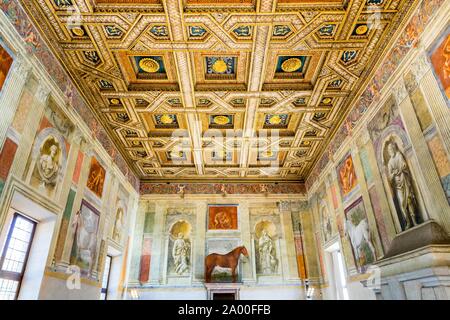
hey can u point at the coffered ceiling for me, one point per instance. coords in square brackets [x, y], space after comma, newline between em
[209, 89]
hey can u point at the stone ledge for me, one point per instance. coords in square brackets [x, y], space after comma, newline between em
[426, 234]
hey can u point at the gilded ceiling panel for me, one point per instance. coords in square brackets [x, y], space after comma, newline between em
[233, 89]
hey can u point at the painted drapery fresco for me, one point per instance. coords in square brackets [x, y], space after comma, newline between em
[5, 64]
[223, 218]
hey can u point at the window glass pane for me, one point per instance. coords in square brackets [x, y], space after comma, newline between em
[15, 256]
[18, 245]
[8, 289]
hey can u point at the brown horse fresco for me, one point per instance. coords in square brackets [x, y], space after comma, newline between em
[229, 260]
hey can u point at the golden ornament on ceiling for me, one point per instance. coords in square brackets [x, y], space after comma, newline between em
[220, 66]
[166, 119]
[275, 119]
[267, 154]
[291, 65]
[362, 29]
[327, 100]
[115, 101]
[176, 154]
[221, 120]
[78, 31]
[149, 65]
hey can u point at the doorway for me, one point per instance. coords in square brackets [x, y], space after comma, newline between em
[224, 296]
[336, 270]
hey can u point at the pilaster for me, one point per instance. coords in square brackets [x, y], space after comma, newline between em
[11, 94]
[434, 97]
[32, 124]
[200, 243]
[158, 243]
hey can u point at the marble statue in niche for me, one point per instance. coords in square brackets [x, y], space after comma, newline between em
[400, 180]
[118, 225]
[267, 261]
[180, 249]
[49, 162]
[267, 256]
[180, 253]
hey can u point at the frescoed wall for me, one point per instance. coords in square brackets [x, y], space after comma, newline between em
[54, 171]
[174, 234]
[388, 176]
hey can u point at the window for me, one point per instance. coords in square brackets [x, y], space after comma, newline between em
[105, 282]
[15, 255]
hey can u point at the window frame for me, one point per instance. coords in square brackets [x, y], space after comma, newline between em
[15, 276]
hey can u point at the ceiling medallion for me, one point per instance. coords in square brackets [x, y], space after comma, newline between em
[327, 100]
[275, 119]
[176, 154]
[219, 66]
[267, 154]
[149, 65]
[362, 29]
[78, 31]
[291, 65]
[166, 119]
[221, 120]
[115, 101]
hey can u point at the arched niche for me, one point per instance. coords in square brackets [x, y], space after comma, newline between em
[266, 248]
[48, 161]
[180, 249]
[400, 180]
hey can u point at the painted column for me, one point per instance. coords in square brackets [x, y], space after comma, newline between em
[291, 272]
[64, 194]
[436, 101]
[247, 269]
[310, 247]
[128, 270]
[11, 94]
[32, 124]
[434, 197]
[84, 175]
[373, 228]
[377, 192]
[137, 270]
[200, 243]
[158, 241]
